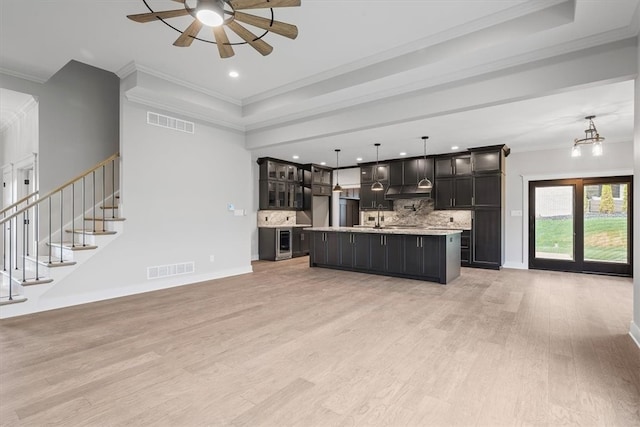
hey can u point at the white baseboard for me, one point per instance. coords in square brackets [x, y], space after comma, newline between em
[634, 331]
[515, 265]
[255, 257]
[44, 304]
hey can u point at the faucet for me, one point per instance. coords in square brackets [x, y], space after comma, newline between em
[377, 225]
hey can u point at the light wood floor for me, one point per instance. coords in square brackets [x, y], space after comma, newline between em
[290, 345]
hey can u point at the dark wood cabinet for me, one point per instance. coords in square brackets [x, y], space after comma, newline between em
[465, 248]
[326, 248]
[454, 165]
[354, 250]
[280, 185]
[371, 173]
[487, 237]
[427, 257]
[300, 242]
[370, 200]
[349, 212]
[453, 193]
[487, 190]
[488, 161]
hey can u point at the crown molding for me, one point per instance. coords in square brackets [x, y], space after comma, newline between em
[132, 67]
[497, 18]
[621, 36]
[24, 76]
[20, 112]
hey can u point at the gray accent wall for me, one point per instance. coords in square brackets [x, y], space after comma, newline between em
[79, 111]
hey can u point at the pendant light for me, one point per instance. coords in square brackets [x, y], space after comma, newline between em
[425, 183]
[337, 188]
[591, 136]
[377, 185]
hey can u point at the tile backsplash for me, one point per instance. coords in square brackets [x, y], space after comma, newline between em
[419, 212]
[276, 218]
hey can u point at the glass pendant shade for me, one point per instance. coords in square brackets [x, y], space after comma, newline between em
[597, 149]
[576, 151]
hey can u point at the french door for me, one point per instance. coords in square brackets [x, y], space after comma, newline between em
[582, 225]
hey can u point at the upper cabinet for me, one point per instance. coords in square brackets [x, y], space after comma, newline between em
[281, 185]
[373, 173]
[454, 165]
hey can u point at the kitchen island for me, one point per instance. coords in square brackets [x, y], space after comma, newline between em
[416, 253]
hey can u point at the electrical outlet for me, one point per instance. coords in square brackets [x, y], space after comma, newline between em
[382, 218]
[212, 258]
[266, 218]
[450, 219]
[371, 218]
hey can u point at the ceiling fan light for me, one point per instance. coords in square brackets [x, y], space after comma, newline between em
[425, 184]
[209, 17]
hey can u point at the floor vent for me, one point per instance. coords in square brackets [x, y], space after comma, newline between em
[161, 271]
[170, 122]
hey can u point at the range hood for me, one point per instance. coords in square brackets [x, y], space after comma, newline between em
[407, 192]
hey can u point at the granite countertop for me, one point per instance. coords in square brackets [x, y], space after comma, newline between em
[285, 226]
[394, 230]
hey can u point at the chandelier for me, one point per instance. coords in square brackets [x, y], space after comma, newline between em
[591, 137]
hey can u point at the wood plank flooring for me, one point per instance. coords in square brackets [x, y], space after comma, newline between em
[293, 345]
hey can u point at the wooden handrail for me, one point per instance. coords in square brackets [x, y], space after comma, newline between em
[13, 205]
[61, 187]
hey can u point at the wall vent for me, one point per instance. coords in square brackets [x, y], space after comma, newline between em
[161, 271]
[170, 122]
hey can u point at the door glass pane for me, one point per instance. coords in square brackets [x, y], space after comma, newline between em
[554, 225]
[606, 222]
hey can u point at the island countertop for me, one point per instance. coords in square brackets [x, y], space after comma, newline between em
[388, 230]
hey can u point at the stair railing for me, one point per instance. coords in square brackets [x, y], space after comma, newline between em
[27, 200]
[59, 207]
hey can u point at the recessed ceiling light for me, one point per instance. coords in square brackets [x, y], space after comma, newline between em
[403, 154]
[323, 163]
[455, 147]
[234, 74]
[359, 159]
[296, 157]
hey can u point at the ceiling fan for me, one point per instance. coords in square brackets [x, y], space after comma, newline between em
[218, 14]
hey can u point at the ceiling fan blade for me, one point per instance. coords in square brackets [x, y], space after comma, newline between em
[224, 48]
[284, 29]
[258, 44]
[262, 4]
[187, 36]
[154, 16]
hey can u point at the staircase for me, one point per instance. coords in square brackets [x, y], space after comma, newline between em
[46, 238]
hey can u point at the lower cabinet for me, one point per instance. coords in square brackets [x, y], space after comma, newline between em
[465, 248]
[325, 248]
[300, 243]
[487, 238]
[428, 257]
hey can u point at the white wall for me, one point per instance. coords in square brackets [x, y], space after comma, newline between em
[635, 324]
[176, 187]
[523, 167]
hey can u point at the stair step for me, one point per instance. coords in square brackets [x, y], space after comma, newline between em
[55, 262]
[28, 281]
[109, 207]
[105, 219]
[91, 232]
[16, 299]
[32, 281]
[70, 246]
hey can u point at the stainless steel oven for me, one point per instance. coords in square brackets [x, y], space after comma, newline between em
[284, 238]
